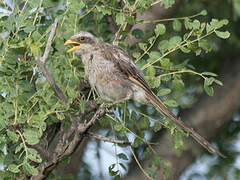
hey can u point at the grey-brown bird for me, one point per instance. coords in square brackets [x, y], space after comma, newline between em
[113, 74]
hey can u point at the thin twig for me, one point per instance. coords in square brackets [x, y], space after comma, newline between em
[106, 139]
[49, 42]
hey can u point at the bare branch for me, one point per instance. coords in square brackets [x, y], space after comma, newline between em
[42, 65]
[105, 139]
[49, 43]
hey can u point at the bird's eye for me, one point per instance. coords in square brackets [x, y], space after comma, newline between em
[82, 39]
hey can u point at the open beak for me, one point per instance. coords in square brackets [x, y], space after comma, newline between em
[73, 43]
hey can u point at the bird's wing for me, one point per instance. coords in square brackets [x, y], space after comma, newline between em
[123, 62]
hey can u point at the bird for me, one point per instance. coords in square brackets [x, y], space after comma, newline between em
[115, 77]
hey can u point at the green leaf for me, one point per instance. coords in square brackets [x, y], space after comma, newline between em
[35, 50]
[104, 10]
[209, 90]
[122, 156]
[178, 84]
[203, 12]
[177, 25]
[143, 123]
[205, 45]
[187, 23]
[143, 46]
[164, 92]
[209, 74]
[138, 33]
[184, 49]
[154, 55]
[130, 20]
[196, 24]
[157, 126]
[120, 18]
[165, 62]
[223, 35]
[160, 29]
[13, 168]
[31, 136]
[218, 82]
[29, 28]
[33, 155]
[137, 142]
[81, 4]
[122, 165]
[157, 82]
[19, 148]
[171, 103]
[30, 169]
[118, 127]
[174, 41]
[207, 83]
[136, 55]
[12, 135]
[163, 46]
[168, 3]
[209, 28]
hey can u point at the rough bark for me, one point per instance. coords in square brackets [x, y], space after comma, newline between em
[207, 117]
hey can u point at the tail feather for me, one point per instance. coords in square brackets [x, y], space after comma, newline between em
[164, 110]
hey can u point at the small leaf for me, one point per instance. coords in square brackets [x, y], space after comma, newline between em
[168, 3]
[160, 29]
[205, 45]
[203, 12]
[207, 83]
[218, 82]
[136, 55]
[122, 156]
[223, 35]
[157, 126]
[143, 46]
[154, 55]
[137, 142]
[31, 136]
[13, 168]
[120, 18]
[165, 62]
[209, 90]
[118, 127]
[196, 24]
[178, 84]
[143, 123]
[209, 74]
[12, 135]
[163, 46]
[164, 92]
[34, 156]
[138, 33]
[177, 25]
[171, 103]
[184, 49]
[30, 169]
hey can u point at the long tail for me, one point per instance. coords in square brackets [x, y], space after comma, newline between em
[163, 109]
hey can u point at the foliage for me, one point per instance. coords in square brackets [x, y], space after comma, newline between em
[28, 104]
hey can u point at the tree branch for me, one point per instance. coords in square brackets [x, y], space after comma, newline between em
[106, 139]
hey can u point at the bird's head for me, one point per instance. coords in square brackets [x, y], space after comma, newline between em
[82, 42]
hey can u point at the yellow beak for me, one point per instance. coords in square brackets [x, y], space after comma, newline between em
[74, 43]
